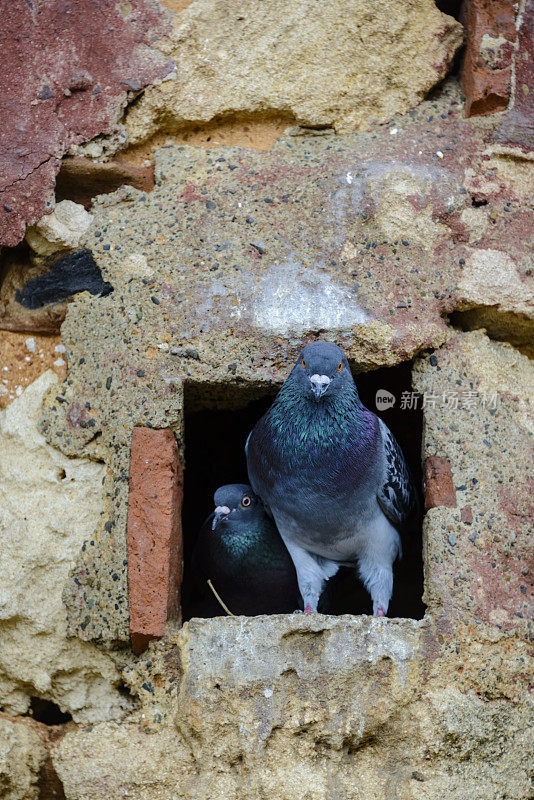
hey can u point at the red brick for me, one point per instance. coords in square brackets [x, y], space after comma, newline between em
[518, 124]
[155, 549]
[68, 70]
[486, 69]
[438, 484]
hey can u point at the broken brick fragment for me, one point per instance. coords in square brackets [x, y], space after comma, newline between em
[48, 103]
[154, 534]
[517, 126]
[438, 484]
[487, 66]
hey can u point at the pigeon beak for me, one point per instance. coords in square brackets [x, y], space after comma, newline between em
[319, 384]
[221, 512]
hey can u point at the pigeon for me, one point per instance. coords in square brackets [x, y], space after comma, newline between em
[332, 476]
[239, 550]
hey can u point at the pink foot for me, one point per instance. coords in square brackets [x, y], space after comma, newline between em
[308, 610]
[380, 612]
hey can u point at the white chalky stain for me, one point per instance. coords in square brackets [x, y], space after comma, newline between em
[294, 299]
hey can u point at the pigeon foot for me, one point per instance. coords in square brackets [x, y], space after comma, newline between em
[380, 612]
[308, 609]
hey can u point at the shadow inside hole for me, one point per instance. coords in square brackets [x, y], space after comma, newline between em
[47, 712]
[214, 453]
[451, 7]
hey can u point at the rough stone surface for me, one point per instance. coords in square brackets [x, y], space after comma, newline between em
[49, 505]
[499, 295]
[483, 423]
[67, 74]
[60, 230]
[22, 755]
[236, 258]
[518, 124]
[154, 534]
[343, 63]
[487, 65]
[307, 707]
[81, 179]
[311, 707]
[437, 483]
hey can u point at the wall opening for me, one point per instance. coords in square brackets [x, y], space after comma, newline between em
[451, 7]
[218, 420]
[47, 712]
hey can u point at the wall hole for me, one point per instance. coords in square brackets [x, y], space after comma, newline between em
[218, 420]
[451, 7]
[47, 712]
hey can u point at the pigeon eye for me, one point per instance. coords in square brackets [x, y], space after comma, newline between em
[340, 366]
[303, 364]
[246, 501]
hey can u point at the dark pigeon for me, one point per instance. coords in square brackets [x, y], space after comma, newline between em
[333, 477]
[240, 551]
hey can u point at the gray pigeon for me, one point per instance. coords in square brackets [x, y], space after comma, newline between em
[240, 551]
[333, 477]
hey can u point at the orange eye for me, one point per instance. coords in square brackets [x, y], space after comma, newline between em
[303, 364]
[246, 501]
[340, 366]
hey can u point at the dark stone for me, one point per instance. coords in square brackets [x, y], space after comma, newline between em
[69, 274]
[46, 93]
[190, 352]
[418, 776]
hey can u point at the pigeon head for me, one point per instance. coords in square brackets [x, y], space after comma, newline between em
[235, 501]
[322, 370]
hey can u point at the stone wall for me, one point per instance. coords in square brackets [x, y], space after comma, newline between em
[235, 180]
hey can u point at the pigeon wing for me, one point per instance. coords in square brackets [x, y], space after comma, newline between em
[259, 473]
[397, 497]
